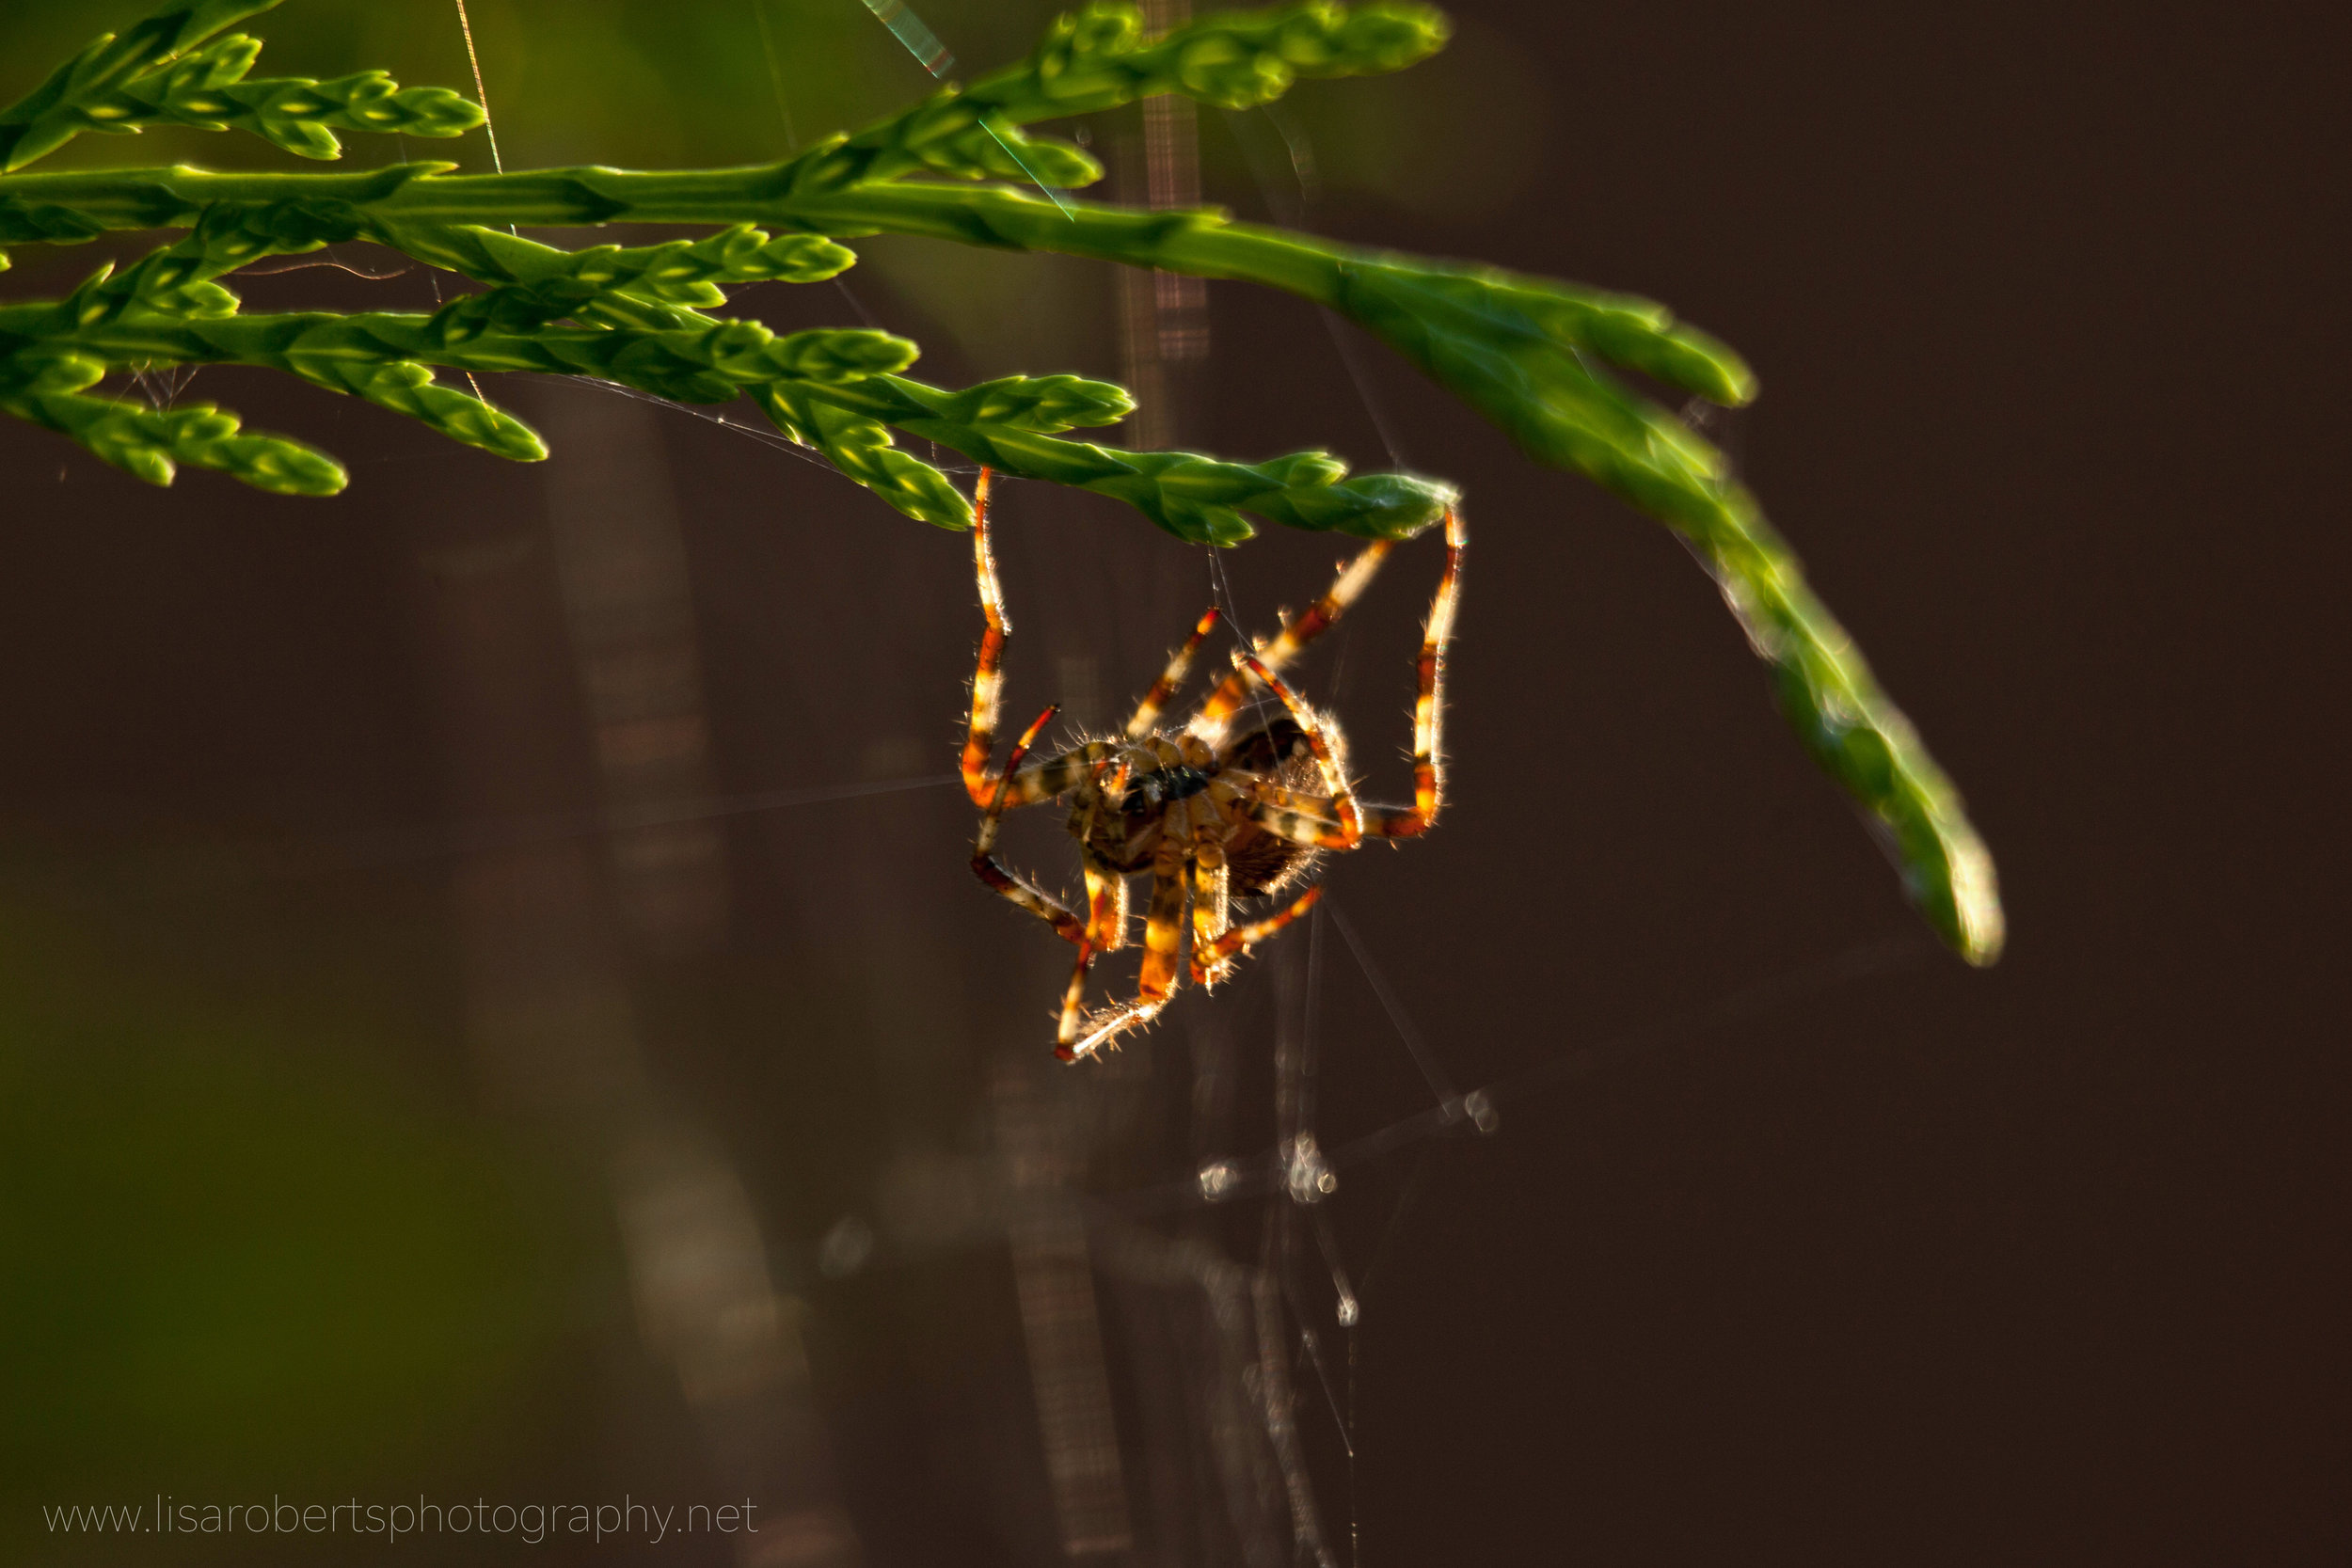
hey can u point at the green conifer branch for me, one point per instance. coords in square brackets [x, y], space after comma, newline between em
[1097, 58]
[164, 73]
[1004, 424]
[152, 442]
[1535, 356]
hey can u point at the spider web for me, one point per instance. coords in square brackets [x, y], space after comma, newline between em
[1198, 1233]
[1270, 1277]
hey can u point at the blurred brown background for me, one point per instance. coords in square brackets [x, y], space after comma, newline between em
[480, 1015]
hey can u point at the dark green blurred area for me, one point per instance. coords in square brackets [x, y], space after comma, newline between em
[243, 1252]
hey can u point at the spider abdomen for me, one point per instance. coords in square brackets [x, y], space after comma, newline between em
[1257, 862]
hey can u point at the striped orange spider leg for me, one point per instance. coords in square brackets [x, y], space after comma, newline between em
[1241, 937]
[1106, 887]
[1217, 709]
[1074, 1000]
[1163, 934]
[986, 866]
[1429, 700]
[1211, 883]
[1105, 927]
[1179, 664]
[982, 783]
[979, 781]
[1207, 871]
[1106, 918]
[1329, 821]
[1089, 934]
[1106, 905]
[1326, 822]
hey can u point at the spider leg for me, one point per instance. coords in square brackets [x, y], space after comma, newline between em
[1163, 934]
[1106, 905]
[1210, 908]
[1281, 809]
[1241, 939]
[1074, 1003]
[985, 866]
[1429, 703]
[1056, 775]
[988, 680]
[982, 783]
[1179, 663]
[1309, 819]
[1164, 925]
[1105, 927]
[1304, 627]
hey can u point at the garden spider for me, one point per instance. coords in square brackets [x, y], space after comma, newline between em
[1213, 818]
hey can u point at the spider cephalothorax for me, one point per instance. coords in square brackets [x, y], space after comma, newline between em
[1212, 816]
[1175, 784]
